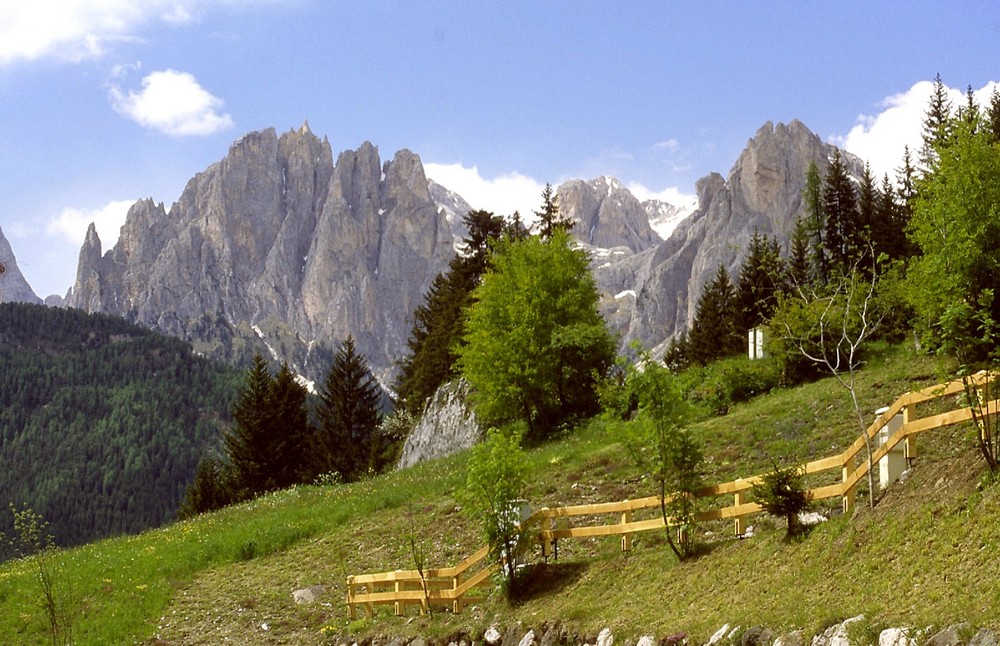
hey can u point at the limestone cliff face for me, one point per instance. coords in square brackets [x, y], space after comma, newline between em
[652, 296]
[13, 287]
[278, 248]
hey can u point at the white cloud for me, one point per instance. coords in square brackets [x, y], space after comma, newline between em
[880, 139]
[671, 195]
[172, 102]
[670, 145]
[75, 30]
[71, 224]
[502, 195]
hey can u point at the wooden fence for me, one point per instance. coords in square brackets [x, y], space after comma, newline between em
[904, 419]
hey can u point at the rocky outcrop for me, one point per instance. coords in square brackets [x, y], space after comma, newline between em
[278, 248]
[446, 426]
[652, 295]
[13, 287]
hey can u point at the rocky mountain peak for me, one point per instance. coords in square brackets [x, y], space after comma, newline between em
[279, 249]
[606, 214]
[13, 287]
[762, 193]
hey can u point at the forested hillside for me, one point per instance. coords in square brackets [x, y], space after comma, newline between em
[101, 422]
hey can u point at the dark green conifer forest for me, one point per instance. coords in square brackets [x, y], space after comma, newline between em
[102, 423]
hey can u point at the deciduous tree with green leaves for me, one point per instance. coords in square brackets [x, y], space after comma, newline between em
[660, 442]
[494, 491]
[534, 341]
[952, 282]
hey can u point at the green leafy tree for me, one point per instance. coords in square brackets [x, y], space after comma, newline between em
[534, 341]
[952, 282]
[830, 329]
[348, 413]
[782, 493]
[494, 491]
[660, 443]
[35, 545]
[714, 332]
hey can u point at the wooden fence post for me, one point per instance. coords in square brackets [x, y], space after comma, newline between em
[546, 540]
[456, 604]
[626, 538]
[910, 443]
[398, 607]
[351, 611]
[848, 498]
[740, 522]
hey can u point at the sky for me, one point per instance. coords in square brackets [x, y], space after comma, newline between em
[104, 102]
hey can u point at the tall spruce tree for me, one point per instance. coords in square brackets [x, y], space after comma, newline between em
[438, 321]
[937, 125]
[991, 123]
[348, 415]
[844, 237]
[289, 461]
[815, 223]
[759, 282]
[549, 218]
[250, 440]
[714, 333]
[798, 257]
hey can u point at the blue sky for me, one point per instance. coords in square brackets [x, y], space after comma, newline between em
[103, 103]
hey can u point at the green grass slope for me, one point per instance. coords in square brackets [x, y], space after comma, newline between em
[927, 555]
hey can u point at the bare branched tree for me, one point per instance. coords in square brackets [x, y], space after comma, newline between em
[843, 317]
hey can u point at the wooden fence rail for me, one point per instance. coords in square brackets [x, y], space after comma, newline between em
[450, 586]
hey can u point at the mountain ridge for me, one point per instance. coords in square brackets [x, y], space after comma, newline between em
[278, 247]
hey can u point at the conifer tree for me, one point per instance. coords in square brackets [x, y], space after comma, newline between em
[815, 224]
[292, 432]
[843, 234]
[438, 321]
[759, 283]
[798, 256]
[348, 415]
[549, 217]
[714, 333]
[249, 441]
[991, 122]
[937, 125]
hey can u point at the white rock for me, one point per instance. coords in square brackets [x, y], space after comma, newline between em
[836, 635]
[895, 637]
[527, 640]
[308, 595]
[605, 638]
[646, 640]
[807, 519]
[492, 636]
[718, 636]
